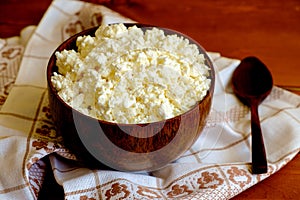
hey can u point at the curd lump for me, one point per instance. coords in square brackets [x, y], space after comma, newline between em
[125, 75]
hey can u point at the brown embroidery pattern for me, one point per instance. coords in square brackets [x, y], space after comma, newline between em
[88, 16]
[46, 130]
[44, 137]
[73, 28]
[48, 147]
[86, 198]
[239, 177]
[11, 53]
[271, 170]
[3, 67]
[5, 89]
[209, 180]
[214, 118]
[47, 112]
[276, 93]
[65, 153]
[2, 99]
[150, 194]
[31, 162]
[10, 57]
[96, 19]
[8, 87]
[117, 191]
[36, 175]
[237, 113]
[179, 190]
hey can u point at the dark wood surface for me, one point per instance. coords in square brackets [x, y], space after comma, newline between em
[268, 29]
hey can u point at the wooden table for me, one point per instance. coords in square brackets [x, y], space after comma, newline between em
[268, 29]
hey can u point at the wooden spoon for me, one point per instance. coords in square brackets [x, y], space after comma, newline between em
[252, 83]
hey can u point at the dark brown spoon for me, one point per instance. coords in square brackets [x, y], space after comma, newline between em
[252, 83]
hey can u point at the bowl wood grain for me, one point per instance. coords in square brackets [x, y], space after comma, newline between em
[126, 147]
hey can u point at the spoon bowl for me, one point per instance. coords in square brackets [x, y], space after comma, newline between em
[252, 82]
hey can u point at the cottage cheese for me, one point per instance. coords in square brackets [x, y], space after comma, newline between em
[126, 75]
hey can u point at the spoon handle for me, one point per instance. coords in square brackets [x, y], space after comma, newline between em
[259, 159]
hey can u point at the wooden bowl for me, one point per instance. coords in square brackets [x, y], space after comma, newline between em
[126, 147]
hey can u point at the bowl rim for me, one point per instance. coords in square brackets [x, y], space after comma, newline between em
[52, 67]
